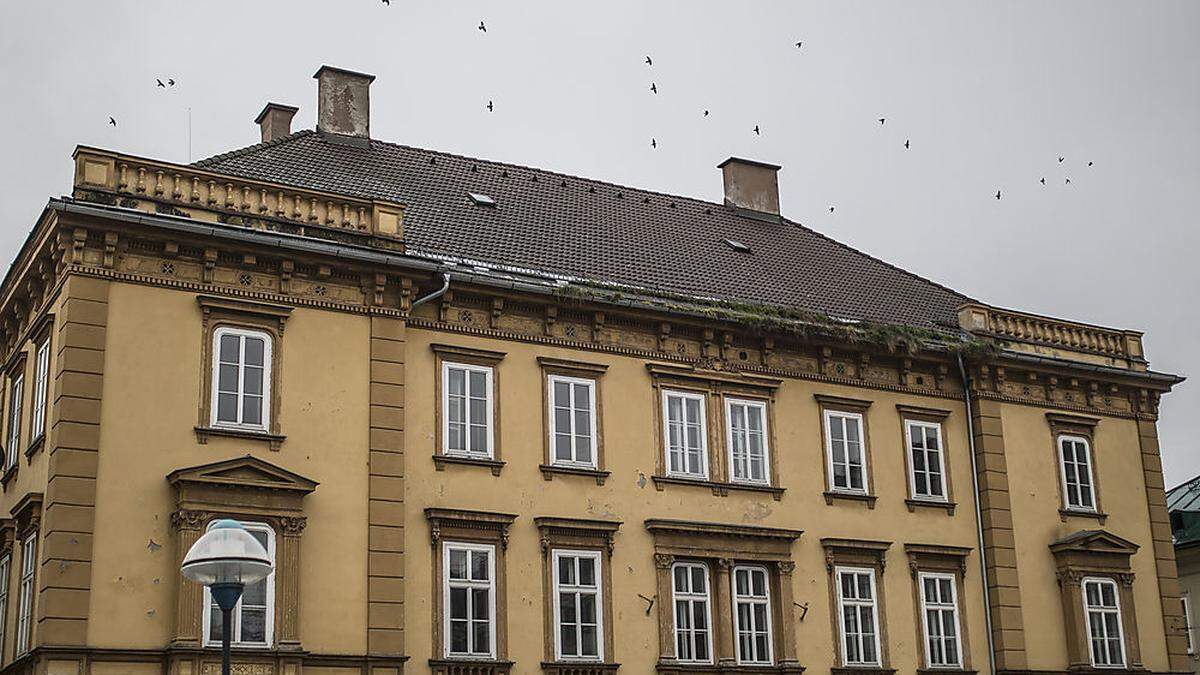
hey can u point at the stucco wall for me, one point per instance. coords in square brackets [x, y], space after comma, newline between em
[630, 496]
[152, 386]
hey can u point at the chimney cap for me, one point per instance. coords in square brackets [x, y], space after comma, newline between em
[343, 71]
[275, 106]
[751, 162]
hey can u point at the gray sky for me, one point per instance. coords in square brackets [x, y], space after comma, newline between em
[989, 93]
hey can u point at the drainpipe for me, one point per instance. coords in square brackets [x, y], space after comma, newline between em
[987, 603]
[435, 294]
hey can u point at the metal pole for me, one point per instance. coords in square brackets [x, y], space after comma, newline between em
[226, 596]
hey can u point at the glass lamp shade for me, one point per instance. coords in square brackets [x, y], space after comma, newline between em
[226, 554]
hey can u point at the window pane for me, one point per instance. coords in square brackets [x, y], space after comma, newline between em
[562, 420]
[698, 580]
[478, 383]
[566, 608]
[700, 615]
[458, 636]
[255, 594]
[479, 565]
[227, 407]
[254, 351]
[458, 564]
[587, 608]
[458, 603]
[588, 641]
[254, 625]
[479, 604]
[252, 410]
[457, 381]
[583, 449]
[562, 393]
[483, 641]
[583, 397]
[587, 572]
[254, 380]
[227, 378]
[569, 645]
[681, 578]
[562, 447]
[478, 408]
[478, 439]
[229, 348]
[566, 571]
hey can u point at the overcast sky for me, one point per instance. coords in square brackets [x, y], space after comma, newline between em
[990, 94]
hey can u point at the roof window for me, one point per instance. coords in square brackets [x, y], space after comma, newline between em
[481, 199]
[737, 246]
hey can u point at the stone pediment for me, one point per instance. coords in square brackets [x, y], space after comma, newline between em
[248, 482]
[1094, 541]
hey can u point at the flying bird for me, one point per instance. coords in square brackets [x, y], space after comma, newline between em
[882, 120]
[653, 87]
[1090, 163]
[490, 107]
[171, 82]
[387, 2]
[482, 27]
[756, 131]
[799, 45]
[653, 143]
[906, 144]
[649, 61]
[112, 121]
[706, 113]
[831, 209]
[1060, 159]
[1043, 180]
[160, 83]
[1068, 181]
[997, 194]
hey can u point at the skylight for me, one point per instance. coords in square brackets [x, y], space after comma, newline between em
[737, 246]
[481, 199]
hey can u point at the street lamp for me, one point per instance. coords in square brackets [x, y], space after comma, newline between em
[226, 559]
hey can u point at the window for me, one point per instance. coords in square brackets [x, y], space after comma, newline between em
[693, 632]
[857, 616]
[1075, 455]
[847, 459]
[15, 398]
[684, 434]
[577, 611]
[939, 608]
[252, 620]
[752, 612]
[747, 423]
[925, 457]
[241, 379]
[572, 421]
[26, 591]
[1187, 622]
[467, 406]
[1102, 613]
[470, 600]
[40, 383]
[5, 569]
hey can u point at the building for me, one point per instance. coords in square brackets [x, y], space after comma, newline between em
[495, 419]
[1183, 506]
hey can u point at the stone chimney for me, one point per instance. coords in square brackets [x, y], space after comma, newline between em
[275, 120]
[751, 185]
[344, 103]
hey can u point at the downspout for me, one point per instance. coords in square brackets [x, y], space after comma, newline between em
[435, 294]
[987, 603]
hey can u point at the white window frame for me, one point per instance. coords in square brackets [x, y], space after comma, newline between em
[952, 607]
[667, 395]
[571, 383]
[598, 592]
[5, 572]
[1186, 602]
[26, 593]
[490, 585]
[489, 387]
[235, 617]
[841, 615]
[1115, 609]
[912, 465]
[761, 406]
[16, 398]
[692, 597]
[862, 440]
[268, 350]
[1062, 472]
[765, 600]
[41, 380]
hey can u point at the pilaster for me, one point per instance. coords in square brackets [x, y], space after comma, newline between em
[385, 539]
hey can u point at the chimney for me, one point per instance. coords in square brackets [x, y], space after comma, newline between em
[344, 103]
[275, 120]
[751, 185]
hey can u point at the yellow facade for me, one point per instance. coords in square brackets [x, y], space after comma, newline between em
[130, 279]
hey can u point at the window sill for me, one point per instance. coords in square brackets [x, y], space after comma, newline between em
[273, 440]
[549, 471]
[862, 670]
[950, 671]
[470, 666]
[440, 462]
[831, 495]
[914, 504]
[1098, 516]
[687, 668]
[578, 667]
[9, 475]
[34, 446]
[718, 488]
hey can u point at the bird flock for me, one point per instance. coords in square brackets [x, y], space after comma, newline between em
[649, 62]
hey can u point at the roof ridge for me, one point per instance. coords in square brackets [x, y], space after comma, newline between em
[207, 161]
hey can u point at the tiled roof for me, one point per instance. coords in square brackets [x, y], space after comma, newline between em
[560, 224]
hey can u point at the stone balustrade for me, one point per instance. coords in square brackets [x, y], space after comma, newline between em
[1117, 345]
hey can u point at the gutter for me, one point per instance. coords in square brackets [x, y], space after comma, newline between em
[987, 602]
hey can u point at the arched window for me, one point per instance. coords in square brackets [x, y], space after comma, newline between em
[253, 619]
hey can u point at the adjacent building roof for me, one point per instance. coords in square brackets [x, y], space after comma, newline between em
[1183, 504]
[552, 223]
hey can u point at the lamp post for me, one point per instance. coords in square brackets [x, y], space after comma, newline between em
[226, 559]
